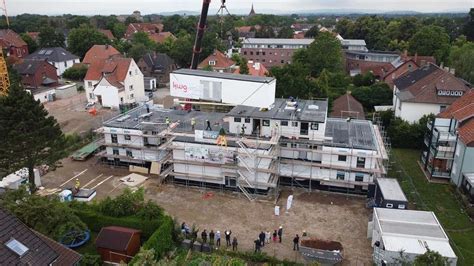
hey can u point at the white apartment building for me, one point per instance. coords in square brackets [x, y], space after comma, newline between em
[56, 56]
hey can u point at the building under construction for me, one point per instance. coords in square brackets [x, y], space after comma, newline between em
[250, 149]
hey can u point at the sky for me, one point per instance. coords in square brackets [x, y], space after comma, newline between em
[106, 7]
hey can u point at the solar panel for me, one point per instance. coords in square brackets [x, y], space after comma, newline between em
[49, 52]
[17, 247]
[42, 51]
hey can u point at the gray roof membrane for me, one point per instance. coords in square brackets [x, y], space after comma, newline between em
[350, 133]
[308, 110]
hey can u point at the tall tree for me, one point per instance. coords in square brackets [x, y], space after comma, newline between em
[243, 67]
[461, 59]
[469, 26]
[312, 33]
[285, 33]
[324, 53]
[294, 80]
[48, 37]
[30, 137]
[430, 258]
[32, 45]
[83, 38]
[431, 40]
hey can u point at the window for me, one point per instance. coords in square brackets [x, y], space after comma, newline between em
[341, 158]
[263, 60]
[247, 120]
[121, 99]
[91, 95]
[442, 108]
[294, 145]
[114, 138]
[129, 153]
[17, 247]
[130, 72]
[359, 178]
[251, 53]
[263, 53]
[282, 61]
[266, 123]
[65, 64]
[115, 152]
[89, 83]
[245, 52]
[401, 206]
[237, 119]
[284, 123]
[389, 205]
[294, 124]
[314, 126]
[340, 175]
[257, 53]
[360, 162]
[130, 87]
[212, 63]
[131, 96]
[127, 137]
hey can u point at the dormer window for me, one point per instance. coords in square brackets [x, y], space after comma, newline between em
[212, 62]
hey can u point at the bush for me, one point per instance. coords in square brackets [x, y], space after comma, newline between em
[75, 72]
[128, 203]
[95, 220]
[90, 260]
[405, 135]
[80, 89]
[162, 239]
[376, 94]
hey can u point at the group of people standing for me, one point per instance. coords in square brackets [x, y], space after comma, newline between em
[213, 237]
[264, 238]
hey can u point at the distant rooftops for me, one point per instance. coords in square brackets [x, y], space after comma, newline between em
[278, 41]
[100, 52]
[219, 75]
[53, 54]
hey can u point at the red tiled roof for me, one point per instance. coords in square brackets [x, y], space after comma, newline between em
[162, 36]
[247, 28]
[114, 68]
[107, 33]
[33, 34]
[299, 35]
[221, 61]
[115, 237]
[347, 106]
[11, 38]
[99, 52]
[149, 28]
[466, 133]
[255, 69]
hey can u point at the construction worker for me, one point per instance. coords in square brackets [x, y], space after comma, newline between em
[167, 121]
[193, 122]
[77, 185]
[208, 125]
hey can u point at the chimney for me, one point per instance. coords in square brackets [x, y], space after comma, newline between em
[452, 70]
[405, 55]
[416, 57]
[106, 46]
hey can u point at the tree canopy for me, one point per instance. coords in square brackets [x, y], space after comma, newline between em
[431, 40]
[30, 137]
[32, 45]
[81, 39]
[48, 37]
[461, 59]
[324, 53]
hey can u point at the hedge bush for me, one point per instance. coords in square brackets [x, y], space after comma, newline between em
[162, 239]
[75, 72]
[96, 220]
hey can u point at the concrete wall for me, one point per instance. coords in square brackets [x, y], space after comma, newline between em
[134, 78]
[412, 112]
[463, 162]
[233, 91]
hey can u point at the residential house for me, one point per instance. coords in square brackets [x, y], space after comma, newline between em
[56, 56]
[354, 45]
[448, 150]
[108, 34]
[407, 66]
[100, 52]
[22, 245]
[37, 73]
[379, 63]
[255, 69]
[117, 244]
[247, 31]
[270, 51]
[426, 90]
[218, 61]
[149, 28]
[161, 37]
[346, 106]
[11, 42]
[395, 232]
[114, 82]
[158, 65]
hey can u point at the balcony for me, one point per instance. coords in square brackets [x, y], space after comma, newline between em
[441, 174]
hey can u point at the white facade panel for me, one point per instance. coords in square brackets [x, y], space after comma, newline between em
[229, 91]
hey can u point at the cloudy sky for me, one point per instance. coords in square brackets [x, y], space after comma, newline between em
[89, 7]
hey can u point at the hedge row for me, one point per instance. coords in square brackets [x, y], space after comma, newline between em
[162, 239]
[95, 221]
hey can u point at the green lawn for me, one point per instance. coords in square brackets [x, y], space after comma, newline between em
[439, 198]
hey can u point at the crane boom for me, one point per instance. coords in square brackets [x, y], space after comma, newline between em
[200, 34]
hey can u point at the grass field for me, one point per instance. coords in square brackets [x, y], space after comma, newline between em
[439, 198]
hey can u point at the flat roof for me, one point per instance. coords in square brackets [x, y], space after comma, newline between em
[469, 177]
[350, 133]
[219, 75]
[391, 189]
[307, 110]
[412, 231]
[138, 120]
[353, 42]
[278, 41]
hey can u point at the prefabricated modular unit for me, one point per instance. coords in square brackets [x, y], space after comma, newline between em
[389, 194]
[411, 233]
[66, 91]
[232, 89]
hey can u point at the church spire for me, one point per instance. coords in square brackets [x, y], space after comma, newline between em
[252, 12]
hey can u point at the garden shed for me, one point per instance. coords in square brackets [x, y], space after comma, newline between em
[116, 244]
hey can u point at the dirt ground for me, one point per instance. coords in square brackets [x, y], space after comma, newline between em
[74, 118]
[322, 215]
